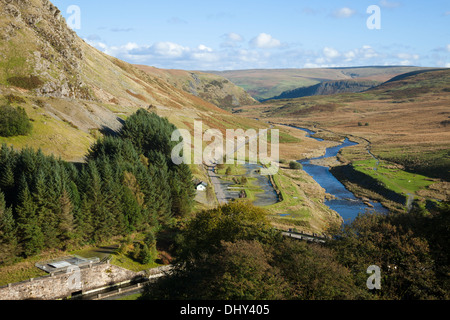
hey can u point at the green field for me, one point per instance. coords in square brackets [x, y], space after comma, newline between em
[393, 178]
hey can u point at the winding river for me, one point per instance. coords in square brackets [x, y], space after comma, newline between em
[345, 203]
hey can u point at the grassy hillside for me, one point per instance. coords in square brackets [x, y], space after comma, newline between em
[73, 93]
[71, 90]
[329, 88]
[210, 87]
[404, 123]
[267, 83]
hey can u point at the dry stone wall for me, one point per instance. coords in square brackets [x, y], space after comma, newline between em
[58, 287]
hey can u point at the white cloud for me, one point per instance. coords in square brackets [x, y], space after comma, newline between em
[408, 56]
[448, 47]
[202, 47]
[232, 40]
[265, 41]
[367, 52]
[331, 53]
[248, 55]
[344, 13]
[350, 55]
[169, 49]
[405, 63]
[235, 37]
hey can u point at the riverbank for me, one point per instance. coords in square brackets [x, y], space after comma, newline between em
[368, 177]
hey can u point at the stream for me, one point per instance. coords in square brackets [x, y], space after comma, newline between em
[345, 203]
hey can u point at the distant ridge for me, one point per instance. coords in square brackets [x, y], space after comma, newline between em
[328, 88]
[413, 73]
[263, 84]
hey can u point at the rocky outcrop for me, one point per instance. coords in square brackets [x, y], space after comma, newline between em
[55, 54]
[328, 88]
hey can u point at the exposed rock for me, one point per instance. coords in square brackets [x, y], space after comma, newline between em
[328, 88]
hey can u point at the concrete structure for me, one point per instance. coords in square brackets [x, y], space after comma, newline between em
[65, 284]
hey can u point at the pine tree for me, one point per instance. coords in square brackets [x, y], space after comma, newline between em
[8, 240]
[6, 175]
[133, 201]
[29, 232]
[66, 223]
[84, 229]
[43, 197]
[111, 216]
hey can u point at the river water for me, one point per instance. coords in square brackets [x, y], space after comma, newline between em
[345, 203]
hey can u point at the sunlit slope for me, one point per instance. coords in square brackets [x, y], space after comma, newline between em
[405, 120]
[210, 87]
[267, 83]
[72, 91]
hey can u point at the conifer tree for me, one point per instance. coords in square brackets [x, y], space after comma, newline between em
[45, 215]
[66, 223]
[29, 232]
[8, 240]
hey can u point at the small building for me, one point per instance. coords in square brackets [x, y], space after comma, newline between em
[64, 263]
[201, 186]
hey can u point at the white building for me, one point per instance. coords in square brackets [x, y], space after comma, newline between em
[201, 186]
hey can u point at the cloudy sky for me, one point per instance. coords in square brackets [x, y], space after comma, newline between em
[247, 34]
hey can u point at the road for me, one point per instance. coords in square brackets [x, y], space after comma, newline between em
[215, 180]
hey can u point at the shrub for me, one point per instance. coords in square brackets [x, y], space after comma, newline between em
[295, 165]
[14, 99]
[14, 122]
[28, 83]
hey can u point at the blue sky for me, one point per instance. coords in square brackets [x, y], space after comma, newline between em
[247, 34]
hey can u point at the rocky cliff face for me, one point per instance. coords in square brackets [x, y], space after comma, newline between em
[328, 88]
[37, 41]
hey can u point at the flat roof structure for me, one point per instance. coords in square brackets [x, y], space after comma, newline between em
[62, 264]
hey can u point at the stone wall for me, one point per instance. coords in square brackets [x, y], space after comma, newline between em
[62, 285]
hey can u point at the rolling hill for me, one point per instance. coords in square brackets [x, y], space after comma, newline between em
[263, 84]
[405, 120]
[210, 87]
[73, 92]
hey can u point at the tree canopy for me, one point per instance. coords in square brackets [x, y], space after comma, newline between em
[126, 184]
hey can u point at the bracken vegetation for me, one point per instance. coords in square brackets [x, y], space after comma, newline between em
[28, 83]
